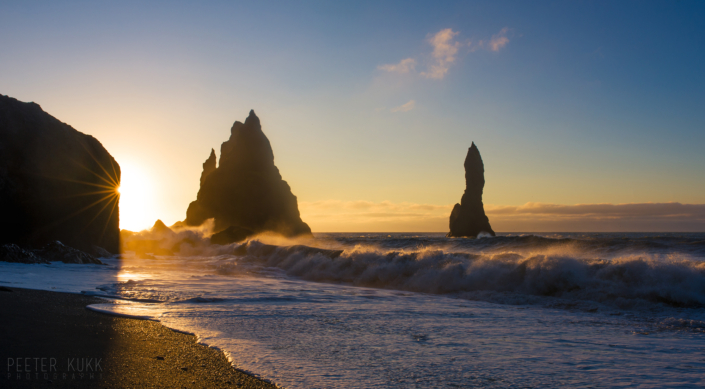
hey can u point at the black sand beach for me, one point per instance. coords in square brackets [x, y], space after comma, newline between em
[49, 340]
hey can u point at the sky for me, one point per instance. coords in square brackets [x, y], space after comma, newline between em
[588, 114]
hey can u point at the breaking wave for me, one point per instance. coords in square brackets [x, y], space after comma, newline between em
[619, 273]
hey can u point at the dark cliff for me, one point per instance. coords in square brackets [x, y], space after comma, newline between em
[245, 193]
[55, 183]
[468, 218]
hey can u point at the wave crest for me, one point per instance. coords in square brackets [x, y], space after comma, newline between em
[622, 281]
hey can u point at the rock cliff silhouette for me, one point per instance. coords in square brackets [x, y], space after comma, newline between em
[245, 194]
[56, 184]
[468, 218]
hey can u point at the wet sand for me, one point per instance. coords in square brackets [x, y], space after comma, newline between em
[49, 340]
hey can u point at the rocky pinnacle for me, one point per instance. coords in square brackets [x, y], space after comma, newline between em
[468, 218]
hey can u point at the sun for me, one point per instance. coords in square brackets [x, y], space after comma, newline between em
[137, 197]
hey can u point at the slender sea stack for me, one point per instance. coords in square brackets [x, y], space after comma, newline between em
[468, 218]
[56, 184]
[245, 194]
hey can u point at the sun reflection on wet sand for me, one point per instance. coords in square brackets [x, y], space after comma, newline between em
[127, 309]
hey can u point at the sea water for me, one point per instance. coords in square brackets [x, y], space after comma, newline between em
[422, 310]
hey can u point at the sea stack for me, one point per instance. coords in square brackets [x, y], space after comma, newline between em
[56, 184]
[468, 218]
[245, 194]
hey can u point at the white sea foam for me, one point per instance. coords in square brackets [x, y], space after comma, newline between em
[624, 281]
[265, 311]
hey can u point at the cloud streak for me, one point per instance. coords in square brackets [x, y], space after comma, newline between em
[386, 216]
[445, 52]
[499, 40]
[369, 216]
[604, 210]
[405, 107]
[404, 66]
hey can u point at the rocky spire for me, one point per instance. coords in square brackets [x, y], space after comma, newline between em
[247, 146]
[208, 166]
[468, 218]
[246, 192]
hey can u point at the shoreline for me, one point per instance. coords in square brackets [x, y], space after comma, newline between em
[50, 340]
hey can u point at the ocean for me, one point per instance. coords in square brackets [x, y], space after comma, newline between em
[406, 310]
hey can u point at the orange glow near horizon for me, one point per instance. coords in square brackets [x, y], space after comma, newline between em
[137, 198]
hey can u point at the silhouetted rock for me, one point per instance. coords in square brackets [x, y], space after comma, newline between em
[52, 252]
[246, 190]
[160, 228]
[468, 218]
[230, 235]
[208, 166]
[14, 253]
[55, 182]
[100, 252]
[178, 225]
[59, 252]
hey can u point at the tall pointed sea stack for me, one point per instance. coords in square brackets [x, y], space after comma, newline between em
[245, 194]
[468, 218]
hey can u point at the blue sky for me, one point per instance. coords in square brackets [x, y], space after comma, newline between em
[575, 102]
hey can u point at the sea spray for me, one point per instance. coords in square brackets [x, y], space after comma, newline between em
[566, 271]
[252, 301]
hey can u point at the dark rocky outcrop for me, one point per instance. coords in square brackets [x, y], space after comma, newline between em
[55, 182]
[230, 235]
[468, 218]
[160, 228]
[52, 252]
[14, 253]
[59, 252]
[100, 252]
[246, 190]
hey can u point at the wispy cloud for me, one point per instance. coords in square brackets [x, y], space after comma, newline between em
[499, 40]
[602, 211]
[334, 215]
[599, 217]
[445, 52]
[404, 66]
[405, 107]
